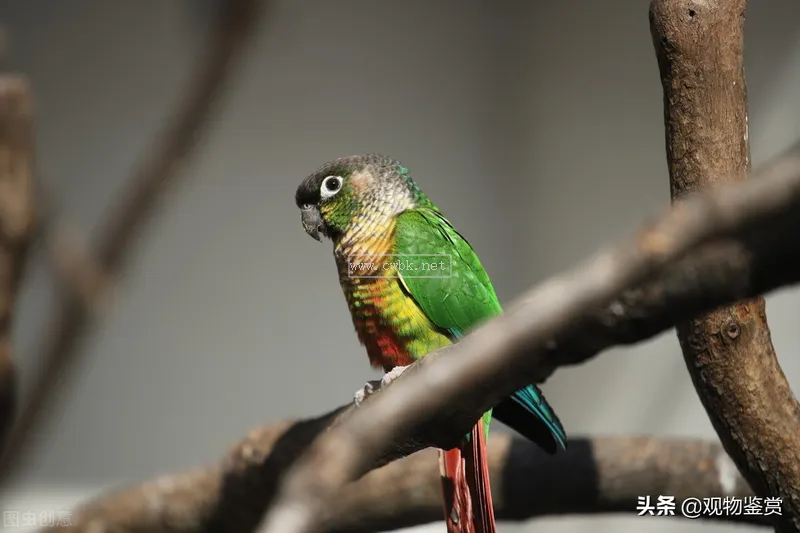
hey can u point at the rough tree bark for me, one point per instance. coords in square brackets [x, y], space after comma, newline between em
[728, 352]
[599, 475]
[17, 221]
[712, 249]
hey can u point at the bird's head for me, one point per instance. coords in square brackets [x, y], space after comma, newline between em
[353, 190]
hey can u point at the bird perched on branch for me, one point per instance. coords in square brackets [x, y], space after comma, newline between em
[414, 284]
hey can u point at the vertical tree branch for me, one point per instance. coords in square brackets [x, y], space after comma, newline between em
[160, 170]
[728, 352]
[17, 221]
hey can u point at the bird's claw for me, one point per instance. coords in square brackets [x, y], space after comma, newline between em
[371, 386]
[364, 392]
[392, 375]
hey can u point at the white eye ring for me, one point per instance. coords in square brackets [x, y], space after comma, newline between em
[330, 186]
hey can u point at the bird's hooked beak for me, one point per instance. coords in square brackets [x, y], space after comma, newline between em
[312, 221]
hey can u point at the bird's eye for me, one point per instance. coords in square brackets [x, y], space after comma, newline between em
[330, 186]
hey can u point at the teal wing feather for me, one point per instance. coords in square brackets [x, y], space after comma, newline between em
[459, 298]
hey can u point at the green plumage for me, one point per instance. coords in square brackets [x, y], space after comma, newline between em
[459, 298]
[456, 299]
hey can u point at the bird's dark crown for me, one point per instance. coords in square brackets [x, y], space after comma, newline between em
[308, 193]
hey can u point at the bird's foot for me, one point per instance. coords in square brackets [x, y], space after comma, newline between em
[392, 375]
[363, 393]
[371, 386]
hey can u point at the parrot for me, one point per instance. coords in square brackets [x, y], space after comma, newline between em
[402, 308]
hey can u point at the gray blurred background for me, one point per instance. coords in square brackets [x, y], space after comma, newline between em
[536, 126]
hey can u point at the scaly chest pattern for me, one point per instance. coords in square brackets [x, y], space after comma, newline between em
[388, 322]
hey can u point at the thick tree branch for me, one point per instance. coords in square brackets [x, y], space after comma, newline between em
[728, 352]
[709, 250]
[601, 475]
[159, 171]
[17, 221]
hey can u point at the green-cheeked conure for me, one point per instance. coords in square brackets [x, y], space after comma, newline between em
[413, 284]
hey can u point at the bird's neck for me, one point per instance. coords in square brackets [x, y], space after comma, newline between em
[367, 236]
[370, 231]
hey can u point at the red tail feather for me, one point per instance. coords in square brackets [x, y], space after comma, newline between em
[477, 460]
[465, 484]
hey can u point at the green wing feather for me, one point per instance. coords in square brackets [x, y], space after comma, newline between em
[457, 298]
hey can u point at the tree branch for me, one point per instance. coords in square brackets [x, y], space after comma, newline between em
[601, 475]
[707, 251]
[728, 352]
[159, 172]
[17, 221]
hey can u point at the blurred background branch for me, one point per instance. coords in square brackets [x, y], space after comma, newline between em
[17, 222]
[598, 475]
[158, 172]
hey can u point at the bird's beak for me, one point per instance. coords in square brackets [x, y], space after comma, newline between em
[312, 221]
